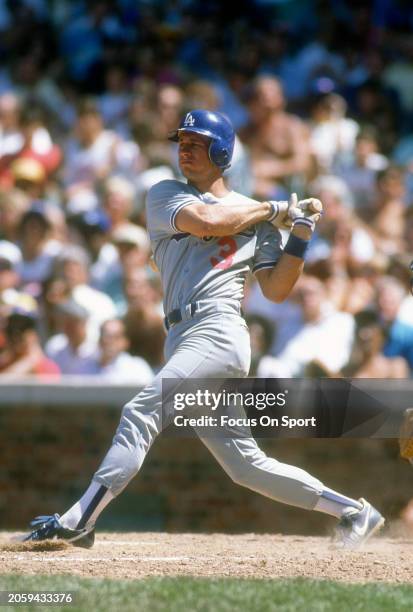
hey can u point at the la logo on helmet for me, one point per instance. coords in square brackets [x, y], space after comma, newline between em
[189, 120]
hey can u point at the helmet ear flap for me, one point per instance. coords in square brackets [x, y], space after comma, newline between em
[219, 155]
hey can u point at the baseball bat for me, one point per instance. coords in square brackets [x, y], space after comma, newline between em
[311, 204]
[316, 206]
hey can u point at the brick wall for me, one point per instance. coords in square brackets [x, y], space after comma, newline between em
[48, 454]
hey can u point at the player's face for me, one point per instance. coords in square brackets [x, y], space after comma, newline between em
[193, 155]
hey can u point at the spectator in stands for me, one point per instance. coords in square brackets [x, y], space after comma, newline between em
[387, 218]
[398, 75]
[115, 101]
[143, 319]
[343, 251]
[278, 141]
[261, 338]
[375, 106]
[118, 200]
[94, 153]
[399, 333]
[133, 248]
[285, 317]
[55, 291]
[37, 145]
[39, 252]
[11, 138]
[326, 336]
[151, 116]
[10, 296]
[333, 135]
[132, 243]
[72, 349]
[13, 204]
[24, 354]
[90, 229]
[29, 176]
[408, 232]
[367, 359]
[169, 107]
[34, 83]
[338, 215]
[353, 289]
[114, 363]
[72, 266]
[359, 171]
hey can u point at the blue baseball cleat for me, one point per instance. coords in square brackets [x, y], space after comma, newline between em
[50, 528]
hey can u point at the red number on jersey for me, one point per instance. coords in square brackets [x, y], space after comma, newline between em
[228, 249]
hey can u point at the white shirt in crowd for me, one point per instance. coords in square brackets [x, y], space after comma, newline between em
[126, 369]
[328, 341]
[333, 137]
[405, 314]
[83, 165]
[99, 306]
[286, 317]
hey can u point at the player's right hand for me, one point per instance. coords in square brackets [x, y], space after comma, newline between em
[287, 213]
[306, 212]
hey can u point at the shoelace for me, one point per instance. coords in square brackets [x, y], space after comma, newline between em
[43, 526]
[344, 528]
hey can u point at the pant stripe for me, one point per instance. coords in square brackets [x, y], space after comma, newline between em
[97, 498]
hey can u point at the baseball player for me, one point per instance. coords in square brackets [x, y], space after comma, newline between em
[205, 240]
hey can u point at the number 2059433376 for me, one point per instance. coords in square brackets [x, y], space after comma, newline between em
[35, 597]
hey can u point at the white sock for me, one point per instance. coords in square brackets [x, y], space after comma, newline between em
[331, 502]
[85, 511]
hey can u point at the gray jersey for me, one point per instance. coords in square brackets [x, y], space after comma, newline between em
[195, 268]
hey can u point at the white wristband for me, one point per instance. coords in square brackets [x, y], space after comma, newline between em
[274, 211]
[304, 221]
[278, 209]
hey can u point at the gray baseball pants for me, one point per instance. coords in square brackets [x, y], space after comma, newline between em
[209, 345]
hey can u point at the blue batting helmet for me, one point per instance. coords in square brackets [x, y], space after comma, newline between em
[217, 127]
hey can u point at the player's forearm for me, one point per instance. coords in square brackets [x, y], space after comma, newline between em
[225, 220]
[278, 282]
[282, 278]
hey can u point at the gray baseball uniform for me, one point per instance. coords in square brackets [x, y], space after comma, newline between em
[211, 342]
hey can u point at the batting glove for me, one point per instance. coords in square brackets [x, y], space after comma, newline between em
[288, 214]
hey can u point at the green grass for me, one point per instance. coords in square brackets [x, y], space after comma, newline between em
[214, 595]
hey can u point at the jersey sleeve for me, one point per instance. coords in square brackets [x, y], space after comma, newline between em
[163, 202]
[268, 248]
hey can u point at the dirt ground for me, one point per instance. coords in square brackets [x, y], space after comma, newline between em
[137, 555]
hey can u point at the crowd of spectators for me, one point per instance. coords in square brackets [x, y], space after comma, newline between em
[321, 95]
